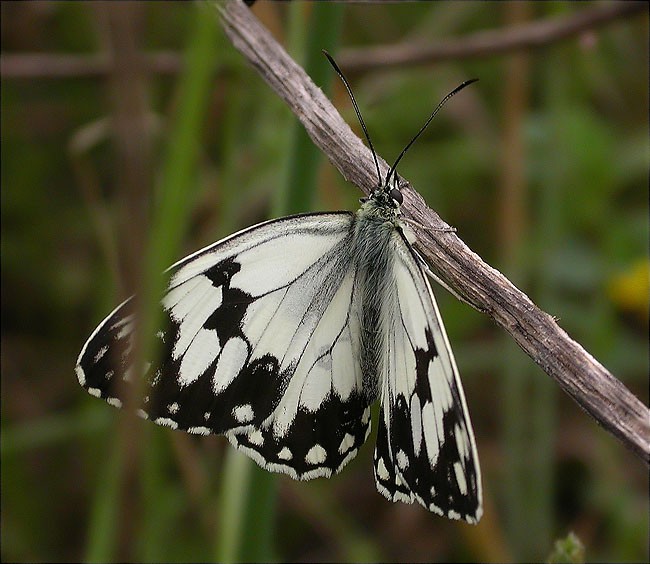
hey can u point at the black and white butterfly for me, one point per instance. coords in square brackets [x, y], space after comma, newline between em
[283, 335]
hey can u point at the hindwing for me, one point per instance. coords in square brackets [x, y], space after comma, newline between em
[425, 448]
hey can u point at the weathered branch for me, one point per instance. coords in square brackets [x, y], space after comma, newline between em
[574, 369]
[487, 43]
[482, 44]
[65, 65]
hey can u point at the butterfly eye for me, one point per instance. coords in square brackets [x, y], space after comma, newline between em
[397, 196]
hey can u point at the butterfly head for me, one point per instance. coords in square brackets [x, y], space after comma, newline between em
[386, 195]
[383, 203]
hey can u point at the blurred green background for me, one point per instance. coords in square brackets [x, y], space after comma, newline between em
[110, 175]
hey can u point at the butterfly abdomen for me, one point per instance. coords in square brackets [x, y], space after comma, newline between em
[375, 286]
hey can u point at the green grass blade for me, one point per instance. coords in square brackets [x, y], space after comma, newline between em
[247, 510]
[304, 157]
[174, 198]
[104, 517]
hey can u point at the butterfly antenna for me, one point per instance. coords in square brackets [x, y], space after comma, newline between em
[440, 105]
[356, 109]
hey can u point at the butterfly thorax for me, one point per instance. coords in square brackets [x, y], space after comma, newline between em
[375, 227]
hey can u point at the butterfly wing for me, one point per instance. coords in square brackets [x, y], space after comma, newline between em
[425, 445]
[257, 344]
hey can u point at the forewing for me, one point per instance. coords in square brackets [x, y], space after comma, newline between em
[257, 344]
[425, 444]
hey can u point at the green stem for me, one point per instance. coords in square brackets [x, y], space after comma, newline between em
[248, 498]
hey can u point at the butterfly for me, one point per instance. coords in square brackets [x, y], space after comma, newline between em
[282, 336]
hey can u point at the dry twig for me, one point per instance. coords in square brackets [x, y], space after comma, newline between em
[487, 43]
[594, 388]
[64, 65]
[482, 44]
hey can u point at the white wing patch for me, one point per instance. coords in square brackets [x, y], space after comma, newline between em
[229, 364]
